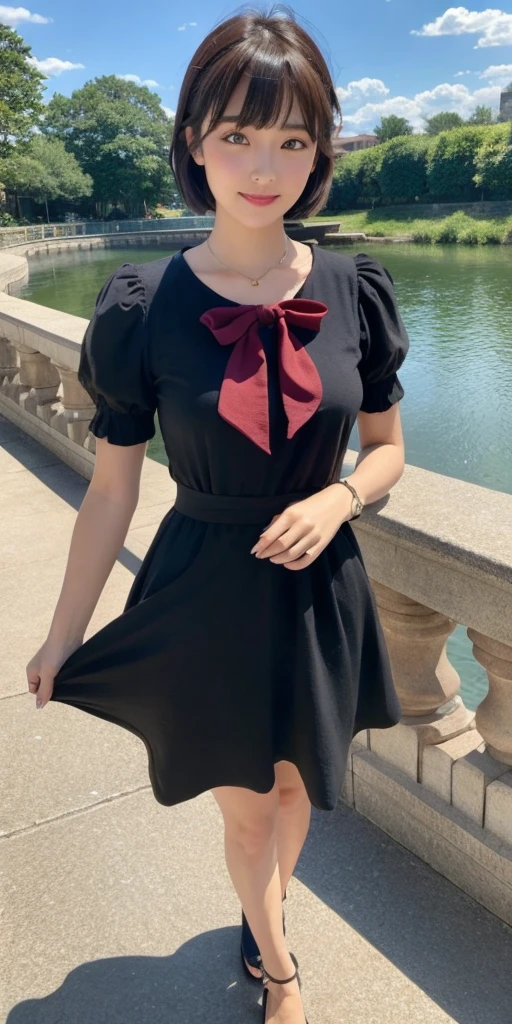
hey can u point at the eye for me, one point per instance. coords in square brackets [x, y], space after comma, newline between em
[303, 144]
[231, 134]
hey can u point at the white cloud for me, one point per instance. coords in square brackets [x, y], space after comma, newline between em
[362, 89]
[181, 28]
[367, 116]
[460, 74]
[169, 112]
[501, 74]
[15, 15]
[53, 66]
[445, 96]
[493, 26]
[150, 82]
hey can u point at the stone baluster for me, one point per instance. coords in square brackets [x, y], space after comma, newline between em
[36, 381]
[75, 409]
[494, 714]
[48, 390]
[8, 366]
[426, 682]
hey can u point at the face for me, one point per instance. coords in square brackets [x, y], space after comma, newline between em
[256, 162]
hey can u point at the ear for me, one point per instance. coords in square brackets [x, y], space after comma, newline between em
[196, 153]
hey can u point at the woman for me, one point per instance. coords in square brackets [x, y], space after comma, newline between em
[249, 651]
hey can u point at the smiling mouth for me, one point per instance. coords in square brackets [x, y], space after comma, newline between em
[258, 198]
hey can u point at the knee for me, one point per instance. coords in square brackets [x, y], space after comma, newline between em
[291, 797]
[253, 835]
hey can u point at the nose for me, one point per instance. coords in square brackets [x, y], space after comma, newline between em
[264, 172]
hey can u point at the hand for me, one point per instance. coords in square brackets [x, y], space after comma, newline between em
[45, 664]
[297, 535]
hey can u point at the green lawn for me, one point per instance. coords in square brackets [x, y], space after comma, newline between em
[474, 229]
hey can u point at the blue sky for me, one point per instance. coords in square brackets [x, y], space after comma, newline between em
[387, 56]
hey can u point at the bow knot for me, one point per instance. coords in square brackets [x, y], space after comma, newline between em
[268, 314]
[243, 397]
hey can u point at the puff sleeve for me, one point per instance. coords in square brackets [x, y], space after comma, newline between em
[384, 341]
[113, 365]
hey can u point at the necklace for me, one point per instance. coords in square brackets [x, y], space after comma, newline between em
[254, 281]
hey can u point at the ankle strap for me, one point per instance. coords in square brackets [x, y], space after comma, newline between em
[277, 981]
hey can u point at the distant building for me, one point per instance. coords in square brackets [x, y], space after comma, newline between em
[506, 105]
[344, 144]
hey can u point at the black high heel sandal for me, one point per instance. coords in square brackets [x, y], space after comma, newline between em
[266, 977]
[249, 950]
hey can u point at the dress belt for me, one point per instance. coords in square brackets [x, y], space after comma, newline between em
[224, 508]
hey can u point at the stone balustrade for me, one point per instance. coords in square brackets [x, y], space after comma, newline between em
[438, 553]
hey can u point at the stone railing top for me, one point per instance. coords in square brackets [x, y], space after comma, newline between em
[451, 517]
[54, 333]
[445, 543]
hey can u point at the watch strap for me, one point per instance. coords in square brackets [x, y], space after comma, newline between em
[357, 499]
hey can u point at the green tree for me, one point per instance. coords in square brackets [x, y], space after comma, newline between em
[120, 135]
[402, 175]
[43, 170]
[451, 164]
[346, 186]
[20, 90]
[442, 122]
[392, 127]
[494, 162]
[481, 115]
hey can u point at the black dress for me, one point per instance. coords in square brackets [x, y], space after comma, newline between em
[222, 663]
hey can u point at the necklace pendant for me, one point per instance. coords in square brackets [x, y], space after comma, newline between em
[255, 282]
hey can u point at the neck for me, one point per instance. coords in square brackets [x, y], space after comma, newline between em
[247, 249]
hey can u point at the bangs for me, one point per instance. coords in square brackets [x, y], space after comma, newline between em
[273, 85]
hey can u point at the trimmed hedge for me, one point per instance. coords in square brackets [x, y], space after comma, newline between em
[461, 165]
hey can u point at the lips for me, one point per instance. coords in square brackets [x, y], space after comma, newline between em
[258, 200]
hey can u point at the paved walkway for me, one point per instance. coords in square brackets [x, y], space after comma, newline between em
[117, 910]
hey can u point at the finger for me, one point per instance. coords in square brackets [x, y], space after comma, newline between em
[45, 690]
[299, 563]
[284, 522]
[263, 535]
[32, 680]
[294, 551]
[296, 534]
[309, 556]
[306, 559]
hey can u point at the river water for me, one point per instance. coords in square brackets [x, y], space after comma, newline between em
[456, 302]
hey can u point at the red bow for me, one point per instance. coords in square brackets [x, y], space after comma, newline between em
[243, 397]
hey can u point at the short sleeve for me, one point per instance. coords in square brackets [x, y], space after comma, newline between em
[113, 362]
[384, 341]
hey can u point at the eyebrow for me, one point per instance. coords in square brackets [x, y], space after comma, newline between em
[286, 127]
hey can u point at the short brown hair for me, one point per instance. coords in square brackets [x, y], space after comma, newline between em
[282, 60]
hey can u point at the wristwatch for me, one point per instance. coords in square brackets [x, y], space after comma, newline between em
[357, 504]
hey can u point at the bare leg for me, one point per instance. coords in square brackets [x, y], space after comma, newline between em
[294, 816]
[250, 841]
[293, 819]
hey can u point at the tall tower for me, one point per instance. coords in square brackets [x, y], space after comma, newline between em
[506, 104]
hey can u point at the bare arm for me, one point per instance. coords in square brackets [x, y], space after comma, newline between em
[98, 535]
[380, 463]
